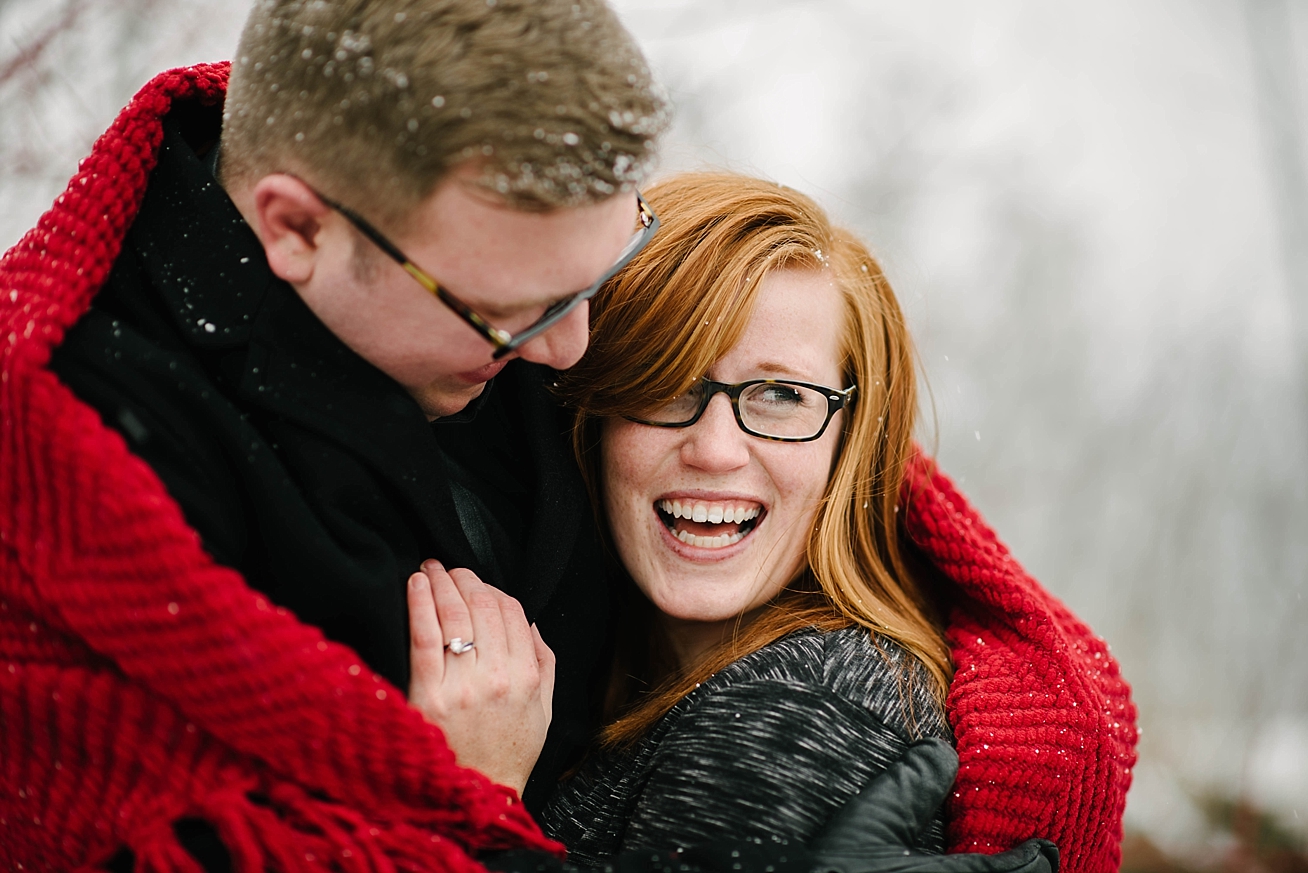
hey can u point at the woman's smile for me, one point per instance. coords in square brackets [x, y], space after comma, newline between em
[708, 523]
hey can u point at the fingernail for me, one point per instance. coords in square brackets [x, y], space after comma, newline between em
[432, 564]
[416, 581]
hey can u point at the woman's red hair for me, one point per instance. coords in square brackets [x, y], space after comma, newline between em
[660, 325]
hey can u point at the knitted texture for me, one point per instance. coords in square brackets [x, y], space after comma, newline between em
[1043, 721]
[140, 682]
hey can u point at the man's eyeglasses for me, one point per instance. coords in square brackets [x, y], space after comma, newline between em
[772, 409]
[503, 341]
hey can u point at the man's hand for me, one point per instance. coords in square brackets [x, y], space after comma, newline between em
[876, 831]
[479, 672]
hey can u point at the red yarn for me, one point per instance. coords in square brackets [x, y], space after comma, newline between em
[141, 683]
[1042, 719]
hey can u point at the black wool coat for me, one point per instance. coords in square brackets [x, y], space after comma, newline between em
[313, 473]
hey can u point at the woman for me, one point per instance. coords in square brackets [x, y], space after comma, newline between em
[778, 651]
[744, 420]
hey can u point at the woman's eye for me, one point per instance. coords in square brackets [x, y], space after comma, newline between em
[680, 408]
[689, 400]
[781, 395]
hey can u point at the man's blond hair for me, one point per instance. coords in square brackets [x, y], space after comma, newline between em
[375, 101]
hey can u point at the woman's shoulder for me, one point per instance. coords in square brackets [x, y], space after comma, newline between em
[772, 744]
[870, 671]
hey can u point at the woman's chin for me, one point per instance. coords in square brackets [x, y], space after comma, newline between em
[708, 598]
[689, 611]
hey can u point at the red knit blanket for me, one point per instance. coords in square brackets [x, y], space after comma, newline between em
[1043, 721]
[141, 683]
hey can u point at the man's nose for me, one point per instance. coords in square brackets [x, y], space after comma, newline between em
[564, 343]
[715, 443]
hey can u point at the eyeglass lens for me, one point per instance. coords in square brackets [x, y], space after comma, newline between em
[775, 409]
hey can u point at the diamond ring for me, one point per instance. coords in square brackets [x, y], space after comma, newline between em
[459, 645]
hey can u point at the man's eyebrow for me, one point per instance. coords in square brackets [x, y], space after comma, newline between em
[498, 312]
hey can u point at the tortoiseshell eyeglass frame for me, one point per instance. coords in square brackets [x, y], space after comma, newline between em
[503, 341]
[836, 401]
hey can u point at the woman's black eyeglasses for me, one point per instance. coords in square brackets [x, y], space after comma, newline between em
[772, 409]
[503, 341]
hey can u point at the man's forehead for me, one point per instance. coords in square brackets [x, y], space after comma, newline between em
[480, 247]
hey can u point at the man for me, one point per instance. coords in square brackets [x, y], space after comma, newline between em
[496, 147]
[298, 336]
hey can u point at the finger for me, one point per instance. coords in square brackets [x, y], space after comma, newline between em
[486, 623]
[517, 634]
[451, 610]
[545, 663]
[897, 805]
[426, 644]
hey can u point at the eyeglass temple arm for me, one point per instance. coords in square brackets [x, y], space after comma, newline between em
[361, 224]
[496, 336]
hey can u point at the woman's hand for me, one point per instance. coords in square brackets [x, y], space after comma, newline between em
[493, 700]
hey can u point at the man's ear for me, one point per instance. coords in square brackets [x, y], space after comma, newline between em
[288, 219]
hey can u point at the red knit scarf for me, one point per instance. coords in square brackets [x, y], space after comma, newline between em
[141, 683]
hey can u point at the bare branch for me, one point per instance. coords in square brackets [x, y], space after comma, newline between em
[29, 54]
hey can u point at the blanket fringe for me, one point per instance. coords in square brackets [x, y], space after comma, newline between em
[291, 831]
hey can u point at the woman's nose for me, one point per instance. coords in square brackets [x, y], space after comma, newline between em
[715, 443]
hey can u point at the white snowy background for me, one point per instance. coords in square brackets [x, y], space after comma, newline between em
[1096, 215]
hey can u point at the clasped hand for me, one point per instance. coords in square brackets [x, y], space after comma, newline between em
[493, 700]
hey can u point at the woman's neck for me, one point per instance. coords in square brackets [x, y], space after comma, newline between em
[693, 641]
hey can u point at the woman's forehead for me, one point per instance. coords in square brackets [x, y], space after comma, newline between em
[794, 329]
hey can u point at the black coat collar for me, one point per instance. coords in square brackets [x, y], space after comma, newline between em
[274, 355]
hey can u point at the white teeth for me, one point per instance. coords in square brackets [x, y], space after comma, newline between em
[709, 542]
[715, 513]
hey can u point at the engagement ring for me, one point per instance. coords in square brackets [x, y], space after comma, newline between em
[458, 646]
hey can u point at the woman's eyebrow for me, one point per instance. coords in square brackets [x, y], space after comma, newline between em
[777, 367]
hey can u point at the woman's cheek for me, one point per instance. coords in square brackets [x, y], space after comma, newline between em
[625, 481]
